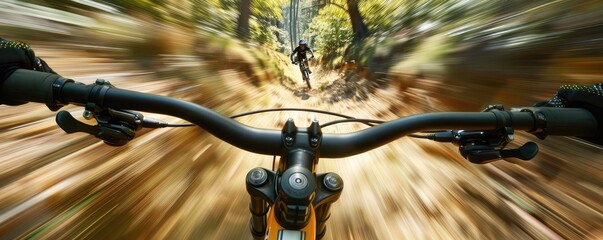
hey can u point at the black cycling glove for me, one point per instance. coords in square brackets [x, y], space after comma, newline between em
[589, 97]
[15, 55]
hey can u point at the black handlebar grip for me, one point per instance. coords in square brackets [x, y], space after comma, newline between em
[30, 86]
[577, 122]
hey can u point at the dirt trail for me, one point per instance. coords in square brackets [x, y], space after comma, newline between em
[184, 183]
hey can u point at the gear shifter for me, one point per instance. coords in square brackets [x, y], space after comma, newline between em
[484, 153]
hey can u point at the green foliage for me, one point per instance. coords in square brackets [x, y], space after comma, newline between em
[218, 17]
[267, 16]
[137, 5]
[331, 30]
[380, 15]
[384, 18]
[268, 9]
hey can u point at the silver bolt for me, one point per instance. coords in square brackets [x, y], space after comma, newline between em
[88, 115]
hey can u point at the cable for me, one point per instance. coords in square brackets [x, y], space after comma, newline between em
[289, 109]
[367, 122]
[273, 162]
[180, 125]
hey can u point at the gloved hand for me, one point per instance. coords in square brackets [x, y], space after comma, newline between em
[15, 55]
[579, 96]
[294, 63]
[311, 58]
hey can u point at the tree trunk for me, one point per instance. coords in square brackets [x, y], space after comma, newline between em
[243, 22]
[293, 31]
[358, 26]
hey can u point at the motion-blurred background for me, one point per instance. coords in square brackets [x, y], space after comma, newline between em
[376, 59]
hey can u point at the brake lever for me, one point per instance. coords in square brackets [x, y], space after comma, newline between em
[525, 152]
[114, 134]
[71, 125]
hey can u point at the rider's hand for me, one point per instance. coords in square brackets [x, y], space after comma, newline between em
[294, 63]
[15, 55]
[589, 97]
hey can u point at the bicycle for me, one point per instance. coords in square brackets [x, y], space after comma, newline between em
[292, 201]
[305, 72]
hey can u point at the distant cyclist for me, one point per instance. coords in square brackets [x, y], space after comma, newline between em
[301, 54]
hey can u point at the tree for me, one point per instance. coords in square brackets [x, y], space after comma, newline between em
[293, 21]
[243, 22]
[358, 25]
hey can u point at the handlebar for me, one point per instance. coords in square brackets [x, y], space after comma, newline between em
[55, 91]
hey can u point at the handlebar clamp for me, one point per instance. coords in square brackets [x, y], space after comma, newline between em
[97, 95]
[56, 89]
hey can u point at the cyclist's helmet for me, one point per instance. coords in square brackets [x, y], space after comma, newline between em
[302, 42]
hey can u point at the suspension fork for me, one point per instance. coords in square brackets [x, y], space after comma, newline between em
[328, 191]
[261, 186]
